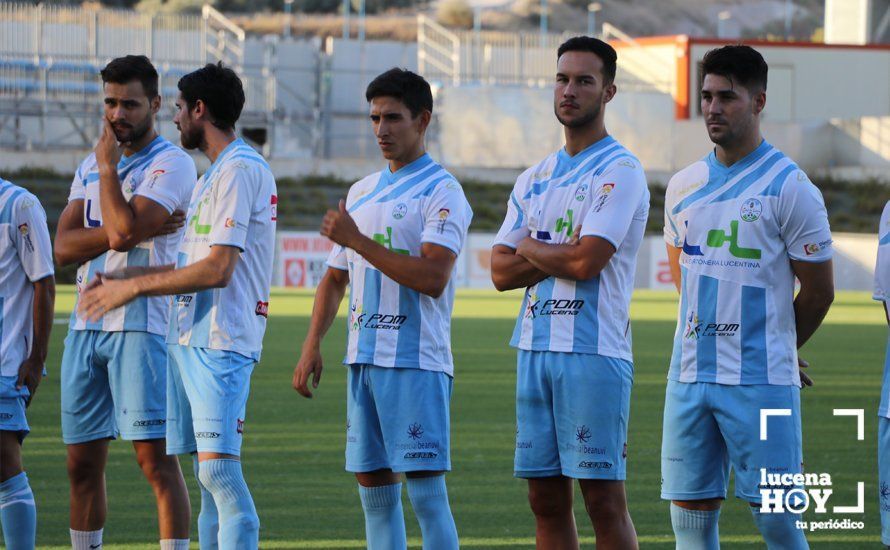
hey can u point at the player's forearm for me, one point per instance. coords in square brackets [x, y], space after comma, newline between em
[44, 303]
[558, 260]
[424, 275]
[198, 276]
[75, 246]
[509, 271]
[328, 296]
[118, 219]
[810, 308]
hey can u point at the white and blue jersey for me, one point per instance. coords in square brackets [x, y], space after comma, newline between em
[882, 294]
[234, 204]
[163, 173]
[25, 257]
[391, 325]
[602, 189]
[739, 227]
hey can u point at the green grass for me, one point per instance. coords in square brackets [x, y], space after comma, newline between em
[293, 447]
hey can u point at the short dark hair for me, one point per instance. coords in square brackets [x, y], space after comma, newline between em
[595, 46]
[409, 88]
[123, 70]
[219, 88]
[739, 63]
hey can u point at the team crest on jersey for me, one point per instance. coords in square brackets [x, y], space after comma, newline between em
[399, 211]
[23, 229]
[581, 192]
[751, 210]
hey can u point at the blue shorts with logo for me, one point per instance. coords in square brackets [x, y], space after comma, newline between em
[113, 384]
[572, 411]
[709, 427]
[12, 407]
[206, 400]
[397, 418]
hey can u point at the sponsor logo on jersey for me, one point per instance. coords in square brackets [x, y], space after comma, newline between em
[382, 321]
[443, 217]
[566, 223]
[815, 248]
[239, 425]
[274, 208]
[536, 308]
[718, 238]
[153, 177]
[262, 309]
[184, 300]
[696, 328]
[26, 234]
[386, 240]
[602, 196]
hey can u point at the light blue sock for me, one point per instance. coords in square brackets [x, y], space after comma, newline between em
[429, 497]
[384, 521]
[18, 513]
[239, 526]
[780, 531]
[695, 529]
[208, 518]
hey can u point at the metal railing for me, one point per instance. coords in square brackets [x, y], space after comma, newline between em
[438, 51]
[223, 39]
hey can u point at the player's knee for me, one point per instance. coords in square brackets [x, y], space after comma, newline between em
[84, 469]
[604, 500]
[547, 504]
[158, 470]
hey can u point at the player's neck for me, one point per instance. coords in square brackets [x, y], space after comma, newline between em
[397, 164]
[141, 144]
[578, 139]
[731, 154]
[215, 142]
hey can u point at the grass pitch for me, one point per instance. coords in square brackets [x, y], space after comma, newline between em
[293, 447]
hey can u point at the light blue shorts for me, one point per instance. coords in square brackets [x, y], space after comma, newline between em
[397, 419]
[113, 384]
[884, 477]
[206, 400]
[572, 411]
[12, 407]
[708, 427]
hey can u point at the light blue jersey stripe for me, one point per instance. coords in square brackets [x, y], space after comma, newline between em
[432, 186]
[541, 326]
[96, 264]
[587, 332]
[775, 186]
[6, 212]
[367, 337]
[1, 309]
[408, 184]
[884, 240]
[519, 218]
[749, 179]
[136, 316]
[754, 358]
[408, 343]
[200, 333]
[677, 354]
[706, 347]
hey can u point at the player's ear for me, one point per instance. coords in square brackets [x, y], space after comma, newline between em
[155, 104]
[759, 102]
[609, 92]
[424, 118]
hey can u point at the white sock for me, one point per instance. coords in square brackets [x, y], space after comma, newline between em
[174, 544]
[86, 540]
